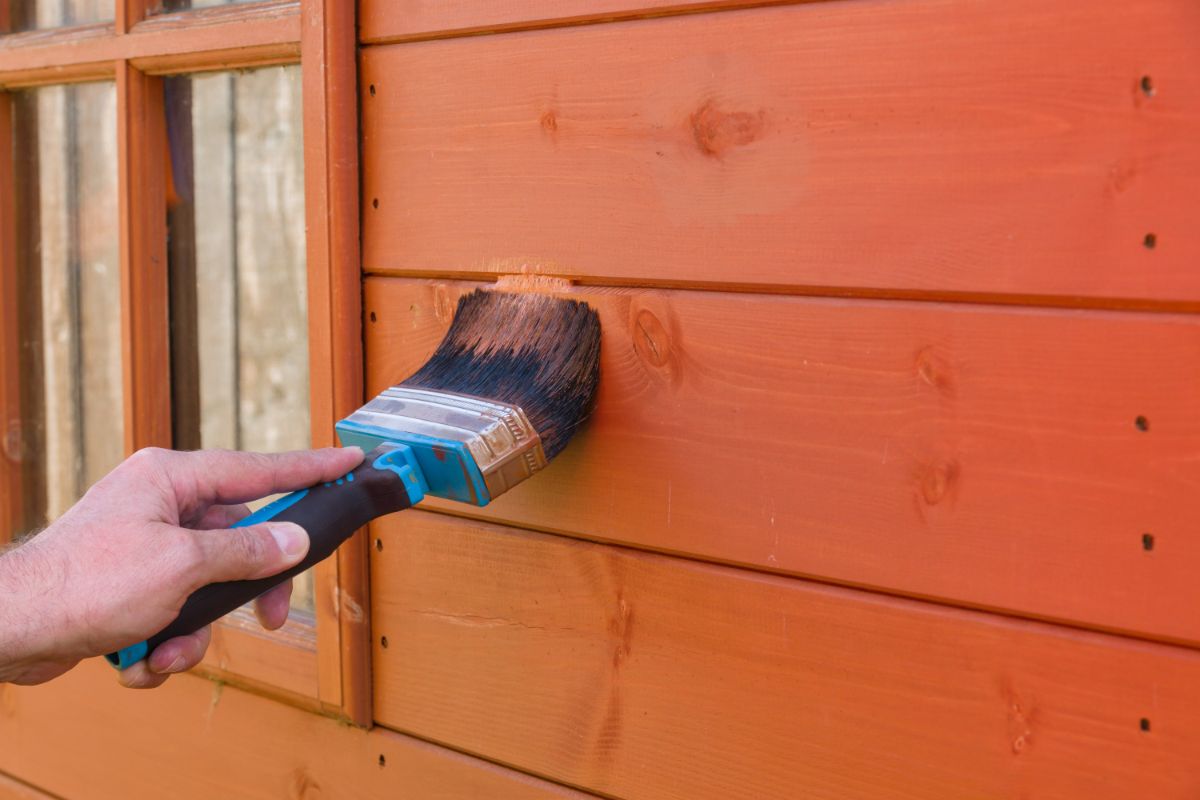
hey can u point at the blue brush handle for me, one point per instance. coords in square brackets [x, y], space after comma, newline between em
[388, 480]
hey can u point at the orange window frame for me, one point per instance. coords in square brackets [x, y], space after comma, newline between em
[326, 667]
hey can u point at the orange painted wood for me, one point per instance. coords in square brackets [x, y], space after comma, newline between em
[335, 327]
[11, 492]
[925, 146]
[223, 37]
[281, 663]
[145, 352]
[637, 675]
[196, 739]
[989, 456]
[406, 20]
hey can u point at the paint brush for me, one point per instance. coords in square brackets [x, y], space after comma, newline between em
[513, 379]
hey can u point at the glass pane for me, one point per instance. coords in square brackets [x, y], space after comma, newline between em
[30, 14]
[239, 284]
[70, 285]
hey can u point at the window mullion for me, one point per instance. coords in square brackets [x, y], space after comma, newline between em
[142, 160]
[329, 69]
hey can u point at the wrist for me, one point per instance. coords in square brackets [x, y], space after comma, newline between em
[27, 633]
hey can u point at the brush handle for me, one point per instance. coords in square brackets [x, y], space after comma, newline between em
[388, 480]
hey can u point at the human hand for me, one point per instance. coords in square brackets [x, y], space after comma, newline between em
[116, 568]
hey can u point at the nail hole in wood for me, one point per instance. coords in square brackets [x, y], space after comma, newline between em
[1142, 423]
[1147, 541]
[372, 88]
[383, 642]
[373, 316]
[379, 545]
[382, 760]
[1145, 724]
[374, 202]
[1147, 84]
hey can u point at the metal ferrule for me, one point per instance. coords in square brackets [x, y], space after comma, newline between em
[499, 437]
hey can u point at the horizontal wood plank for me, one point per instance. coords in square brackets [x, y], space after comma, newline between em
[870, 146]
[988, 456]
[382, 21]
[639, 675]
[197, 739]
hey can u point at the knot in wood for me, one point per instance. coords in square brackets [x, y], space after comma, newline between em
[717, 132]
[650, 338]
[939, 480]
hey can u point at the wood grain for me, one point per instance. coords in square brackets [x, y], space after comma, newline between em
[383, 21]
[142, 159]
[988, 456]
[637, 675]
[330, 72]
[824, 147]
[196, 739]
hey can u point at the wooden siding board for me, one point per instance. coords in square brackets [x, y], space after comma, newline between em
[639, 675]
[923, 146]
[197, 739]
[985, 455]
[401, 20]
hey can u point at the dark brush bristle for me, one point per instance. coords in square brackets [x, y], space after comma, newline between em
[538, 352]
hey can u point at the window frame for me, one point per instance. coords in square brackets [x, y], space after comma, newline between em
[326, 666]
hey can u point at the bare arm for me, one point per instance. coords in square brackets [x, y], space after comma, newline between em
[117, 567]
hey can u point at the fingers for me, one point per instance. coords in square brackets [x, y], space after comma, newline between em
[224, 476]
[221, 517]
[174, 655]
[256, 551]
[272, 608]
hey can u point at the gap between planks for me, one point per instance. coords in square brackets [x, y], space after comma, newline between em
[1006, 300]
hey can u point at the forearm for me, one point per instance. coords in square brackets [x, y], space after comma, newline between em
[28, 616]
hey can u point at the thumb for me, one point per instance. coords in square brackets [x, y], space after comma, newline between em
[255, 551]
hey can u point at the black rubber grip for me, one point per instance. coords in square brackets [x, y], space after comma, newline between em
[329, 512]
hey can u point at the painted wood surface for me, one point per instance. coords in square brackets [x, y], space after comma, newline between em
[875, 146]
[141, 189]
[329, 74]
[638, 675]
[197, 739]
[405, 20]
[985, 455]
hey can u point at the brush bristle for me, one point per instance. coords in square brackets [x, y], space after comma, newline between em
[538, 352]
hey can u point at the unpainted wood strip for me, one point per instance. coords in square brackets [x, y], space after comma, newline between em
[392, 21]
[329, 79]
[196, 739]
[639, 675]
[994, 457]
[13, 789]
[800, 146]
[11, 514]
[227, 37]
[142, 160]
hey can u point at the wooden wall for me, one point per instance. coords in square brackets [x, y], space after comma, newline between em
[887, 491]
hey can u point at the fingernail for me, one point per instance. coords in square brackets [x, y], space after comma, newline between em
[291, 538]
[173, 666]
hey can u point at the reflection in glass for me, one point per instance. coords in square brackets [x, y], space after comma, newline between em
[69, 283]
[31, 14]
[239, 283]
